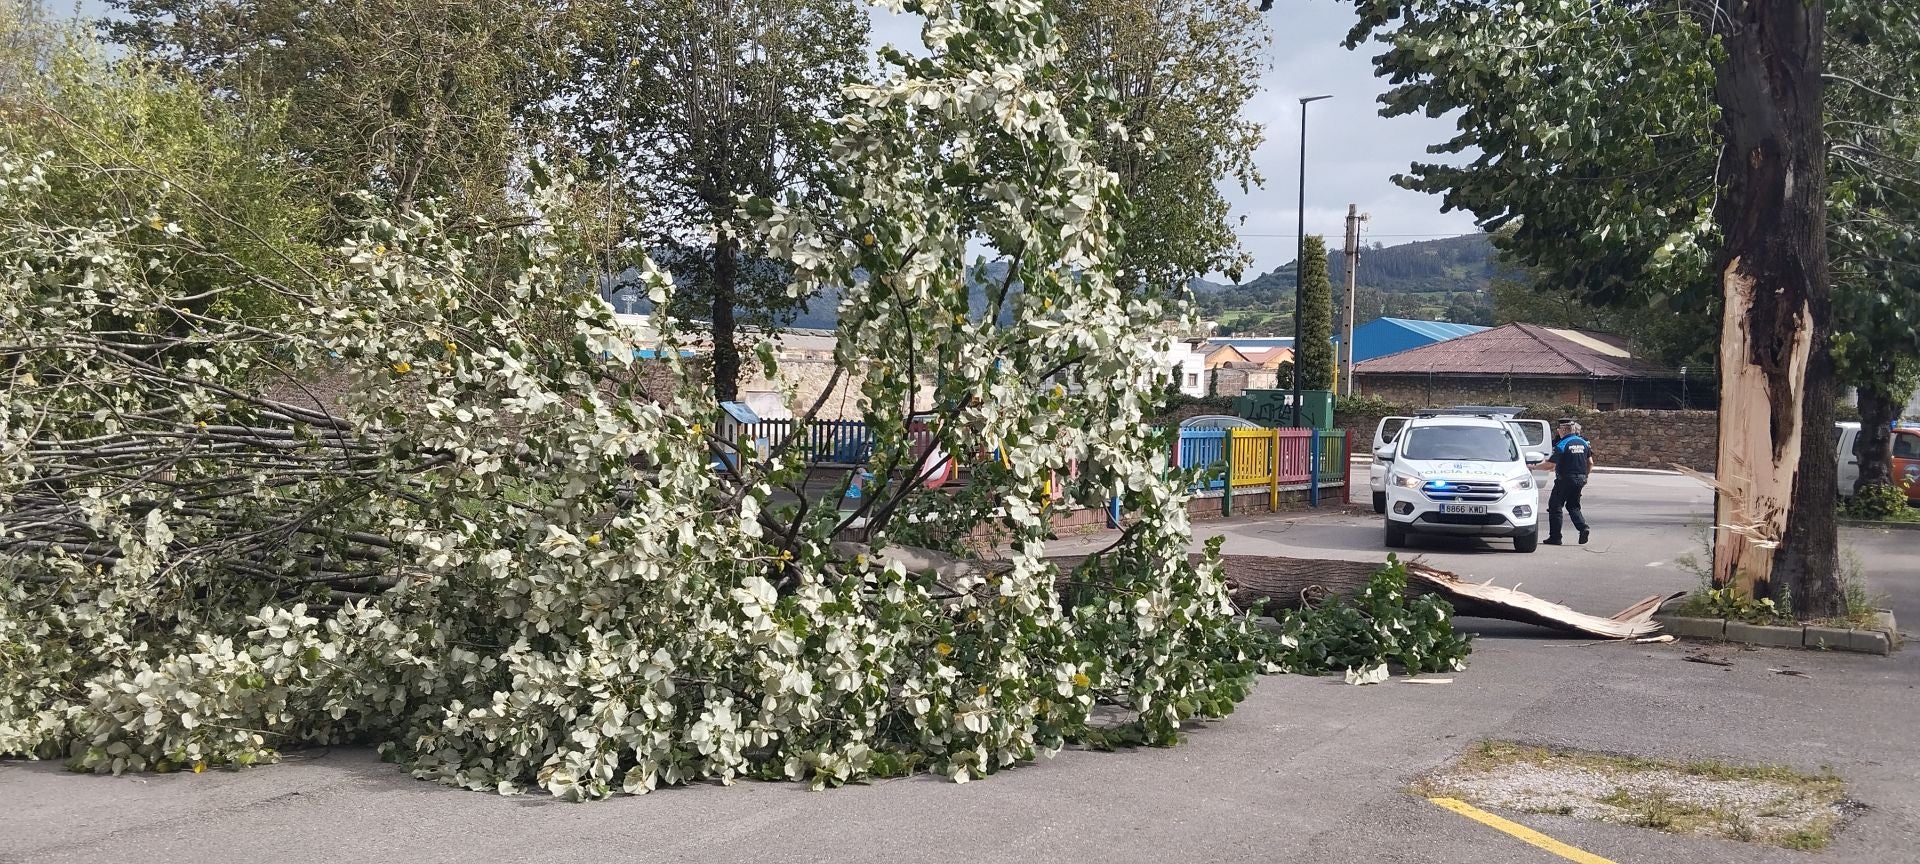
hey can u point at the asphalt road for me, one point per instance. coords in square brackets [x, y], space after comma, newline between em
[1308, 770]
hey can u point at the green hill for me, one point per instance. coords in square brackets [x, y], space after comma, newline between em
[1436, 279]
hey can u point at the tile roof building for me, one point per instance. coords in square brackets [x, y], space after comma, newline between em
[1528, 364]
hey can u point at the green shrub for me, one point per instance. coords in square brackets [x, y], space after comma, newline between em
[1383, 626]
[1880, 502]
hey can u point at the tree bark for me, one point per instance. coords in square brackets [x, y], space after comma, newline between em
[1878, 410]
[1279, 584]
[1774, 509]
[726, 353]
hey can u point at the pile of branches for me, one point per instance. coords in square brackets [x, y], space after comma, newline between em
[488, 552]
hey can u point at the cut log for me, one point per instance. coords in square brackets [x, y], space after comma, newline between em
[1277, 584]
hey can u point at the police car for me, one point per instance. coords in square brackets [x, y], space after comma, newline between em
[1534, 437]
[1461, 475]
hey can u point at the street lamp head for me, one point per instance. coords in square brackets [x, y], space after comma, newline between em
[1305, 99]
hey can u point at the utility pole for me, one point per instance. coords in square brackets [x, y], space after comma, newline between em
[1354, 218]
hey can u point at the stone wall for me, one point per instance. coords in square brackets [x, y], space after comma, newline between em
[809, 378]
[1621, 439]
[1653, 439]
[1600, 394]
[808, 373]
[1433, 390]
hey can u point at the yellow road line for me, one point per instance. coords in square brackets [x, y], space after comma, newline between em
[1519, 831]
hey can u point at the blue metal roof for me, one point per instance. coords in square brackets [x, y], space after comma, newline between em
[1438, 331]
[1383, 336]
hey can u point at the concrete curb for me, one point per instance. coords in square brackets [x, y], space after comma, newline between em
[1880, 640]
[1868, 523]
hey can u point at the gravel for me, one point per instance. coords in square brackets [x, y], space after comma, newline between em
[1634, 793]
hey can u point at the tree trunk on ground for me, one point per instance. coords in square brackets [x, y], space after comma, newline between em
[1774, 507]
[1280, 584]
[1283, 583]
[726, 351]
[1877, 413]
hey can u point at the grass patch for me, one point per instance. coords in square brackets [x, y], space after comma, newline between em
[1770, 804]
[1706, 601]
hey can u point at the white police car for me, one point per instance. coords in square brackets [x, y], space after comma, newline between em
[1534, 437]
[1461, 475]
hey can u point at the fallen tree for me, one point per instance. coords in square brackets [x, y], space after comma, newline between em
[1272, 583]
[491, 556]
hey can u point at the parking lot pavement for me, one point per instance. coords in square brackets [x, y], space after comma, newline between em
[1645, 528]
[1307, 770]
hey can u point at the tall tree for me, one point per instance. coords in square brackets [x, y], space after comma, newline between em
[406, 98]
[1633, 178]
[1776, 367]
[1875, 129]
[1315, 351]
[1181, 73]
[681, 107]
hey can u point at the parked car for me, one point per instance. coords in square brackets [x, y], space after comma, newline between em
[1461, 475]
[1904, 454]
[1218, 421]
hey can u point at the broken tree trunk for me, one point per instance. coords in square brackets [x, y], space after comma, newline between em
[1774, 507]
[1291, 583]
[1277, 584]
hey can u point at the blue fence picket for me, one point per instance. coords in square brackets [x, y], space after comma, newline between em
[1204, 448]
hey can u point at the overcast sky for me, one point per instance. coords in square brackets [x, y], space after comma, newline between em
[1351, 150]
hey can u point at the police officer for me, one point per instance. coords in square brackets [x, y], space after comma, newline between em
[1572, 461]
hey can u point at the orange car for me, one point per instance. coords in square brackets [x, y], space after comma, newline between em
[1906, 462]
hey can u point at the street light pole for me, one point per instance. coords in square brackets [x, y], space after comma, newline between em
[1299, 257]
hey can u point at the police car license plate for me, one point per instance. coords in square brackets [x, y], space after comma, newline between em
[1465, 509]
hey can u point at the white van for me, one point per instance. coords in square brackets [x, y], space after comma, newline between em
[1534, 437]
[1461, 475]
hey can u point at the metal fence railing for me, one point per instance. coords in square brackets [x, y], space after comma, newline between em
[840, 442]
[1246, 460]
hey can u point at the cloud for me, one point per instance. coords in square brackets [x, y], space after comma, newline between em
[1352, 152]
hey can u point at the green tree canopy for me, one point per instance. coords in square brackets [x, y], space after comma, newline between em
[679, 108]
[407, 98]
[232, 193]
[1643, 151]
[1181, 73]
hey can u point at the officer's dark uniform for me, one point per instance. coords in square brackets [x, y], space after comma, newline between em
[1572, 462]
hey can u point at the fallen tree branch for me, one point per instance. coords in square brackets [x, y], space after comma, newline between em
[1274, 583]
